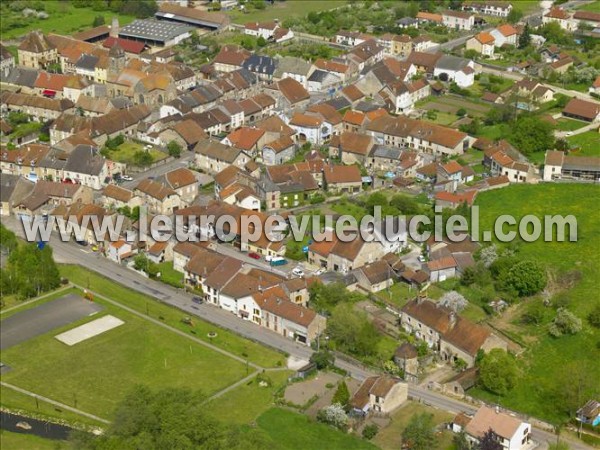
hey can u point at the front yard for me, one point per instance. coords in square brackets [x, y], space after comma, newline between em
[588, 144]
[565, 124]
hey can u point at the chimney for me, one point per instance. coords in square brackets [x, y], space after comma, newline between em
[452, 318]
[114, 28]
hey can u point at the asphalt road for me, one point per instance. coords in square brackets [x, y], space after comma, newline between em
[25, 325]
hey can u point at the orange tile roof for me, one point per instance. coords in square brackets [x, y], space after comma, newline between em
[354, 117]
[485, 38]
[245, 138]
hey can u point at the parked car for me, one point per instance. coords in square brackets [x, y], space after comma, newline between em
[298, 271]
[321, 271]
[254, 255]
[82, 243]
[197, 299]
[278, 261]
[127, 177]
[422, 258]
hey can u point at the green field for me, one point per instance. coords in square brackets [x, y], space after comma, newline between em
[588, 143]
[546, 357]
[292, 431]
[570, 124]
[593, 6]
[245, 403]
[63, 19]
[94, 375]
[169, 275]
[284, 10]
[18, 441]
[126, 151]
[225, 339]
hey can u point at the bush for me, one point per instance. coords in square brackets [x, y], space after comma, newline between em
[333, 415]
[498, 371]
[174, 149]
[370, 431]
[461, 112]
[342, 395]
[565, 322]
[527, 278]
[594, 317]
[323, 359]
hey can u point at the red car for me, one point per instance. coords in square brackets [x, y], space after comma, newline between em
[254, 255]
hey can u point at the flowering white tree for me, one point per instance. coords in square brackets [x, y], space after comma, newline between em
[333, 415]
[453, 300]
[488, 255]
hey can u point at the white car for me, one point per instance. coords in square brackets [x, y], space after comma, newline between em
[298, 272]
[127, 177]
[321, 271]
[569, 133]
[422, 258]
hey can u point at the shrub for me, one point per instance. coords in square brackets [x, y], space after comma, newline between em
[565, 322]
[370, 431]
[333, 415]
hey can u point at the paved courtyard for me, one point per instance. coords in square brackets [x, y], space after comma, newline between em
[25, 325]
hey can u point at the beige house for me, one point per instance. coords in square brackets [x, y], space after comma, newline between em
[454, 337]
[380, 395]
[183, 182]
[483, 43]
[36, 51]
[342, 179]
[158, 198]
[374, 277]
[115, 197]
[213, 157]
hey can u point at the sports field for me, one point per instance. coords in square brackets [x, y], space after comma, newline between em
[96, 373]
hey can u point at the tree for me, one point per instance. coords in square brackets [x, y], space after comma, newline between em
[562, 145]
[418, 434]
[565, 322]
[8, 240]
[29, 271]
[376, 199]
[498, 371]
[261, 41]
[172, 418]
[454, 300]
[323, 359]
[142, 158]
[489, 441]
[327, 297]
[594, 316]
[514, 16]
[530, 134]
[527, 278]
[174, 149]
[406, 205]
[98, 20]
[333, 415]
[461, 112]
[353, 331]
[342, 395]
[142, 263]
[370, 431]
[460, 441]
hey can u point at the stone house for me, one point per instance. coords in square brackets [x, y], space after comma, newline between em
[380, 394]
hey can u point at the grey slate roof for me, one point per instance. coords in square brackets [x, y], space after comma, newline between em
[260, 64]
[382, 151]
[338, 103]
[318, 76]
[87, 62]
[449, 62]
[293, 65]
[84, 159]
[20, 77]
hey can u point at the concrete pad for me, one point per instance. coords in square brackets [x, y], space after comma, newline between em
[89, 330]
[25, 325]
[295, 363]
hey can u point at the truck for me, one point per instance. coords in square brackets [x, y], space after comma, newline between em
[278, 261]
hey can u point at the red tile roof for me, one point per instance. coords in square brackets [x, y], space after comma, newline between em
[128, 45]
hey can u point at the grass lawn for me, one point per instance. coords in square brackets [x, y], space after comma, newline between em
[63, 19]
[290, 430]
[226, 340]
[20, 441]
[527, 6]
[391, 436]
[283, 10]
[594, 6]
[124, 153]
[15, 401]
[570, 125]
[346, 207]
[245, 403]
[588, 144]
[399, 294]
[533, 393]
[97, 373]
[494, 132]
[169, 275]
